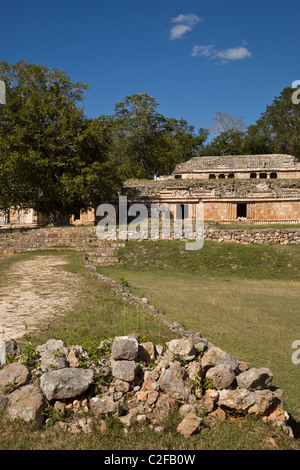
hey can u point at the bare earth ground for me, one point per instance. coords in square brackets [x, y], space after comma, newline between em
[35, 291]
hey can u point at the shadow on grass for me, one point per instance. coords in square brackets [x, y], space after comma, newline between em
[295, 426]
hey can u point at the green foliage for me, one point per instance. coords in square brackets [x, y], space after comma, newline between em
[179, 359]
[279, 126]
[52, 158]
[96, 352]
[104, 349]
[98, 380]
[195, 383]
[29, 356]
[207, 384]
[229, 142]
[146, 143]
[114, 426]
[53, 416]
[124, 283]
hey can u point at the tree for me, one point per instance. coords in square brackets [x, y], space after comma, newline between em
[179, 142]
[226, 143]
[148, 143]
[225, 123]
[278, 128]
[229, 135]
[52, 158]
[137, 127]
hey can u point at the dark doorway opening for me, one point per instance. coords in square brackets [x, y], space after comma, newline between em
[273, 175]
[241, 210]
[182, 211]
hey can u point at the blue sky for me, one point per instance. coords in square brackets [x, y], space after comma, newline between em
[195, 57]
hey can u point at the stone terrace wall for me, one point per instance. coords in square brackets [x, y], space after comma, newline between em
[260, 236]
[74, 238]
[104, 251]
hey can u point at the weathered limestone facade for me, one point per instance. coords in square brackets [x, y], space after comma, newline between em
[256, 188]
[240, 167]
[22, 217]
[226, 200]
[83, 218]
[31, 218]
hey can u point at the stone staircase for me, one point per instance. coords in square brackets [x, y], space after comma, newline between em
[98, 252]
[104, 254]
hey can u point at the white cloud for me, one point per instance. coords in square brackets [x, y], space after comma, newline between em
[179, 30]
[183, 24]
[189, 19]
[235, 53]
[222, 56]
[204, 51]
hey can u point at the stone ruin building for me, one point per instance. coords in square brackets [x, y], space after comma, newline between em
[256, 188]
[253, 188]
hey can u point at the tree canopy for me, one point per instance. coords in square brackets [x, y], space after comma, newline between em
[276, 131]
[52, 158]
[278, 128]
[148, 143]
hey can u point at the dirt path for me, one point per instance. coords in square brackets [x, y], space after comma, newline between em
[36, 289]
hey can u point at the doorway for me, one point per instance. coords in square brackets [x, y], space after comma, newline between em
[241, 211]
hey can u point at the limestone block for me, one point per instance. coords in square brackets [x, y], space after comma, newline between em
[13, 376]
[255, 379]
[125, 348]
[27, 403]
[66, 383]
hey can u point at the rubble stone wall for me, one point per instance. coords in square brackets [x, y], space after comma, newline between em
[140, 382]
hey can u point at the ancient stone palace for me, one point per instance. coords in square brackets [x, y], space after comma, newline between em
[252, 188]
[240, 187]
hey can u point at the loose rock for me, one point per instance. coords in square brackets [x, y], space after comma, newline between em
[66, 383]
[13, 376]
[174, 382]
[125, 370]
[183, 348]
[125, 348]
[189, 425]
[134, 391]
[255, 379]
[27, 403]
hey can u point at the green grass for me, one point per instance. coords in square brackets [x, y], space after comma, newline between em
[170, 280]
[242, 298]
[98, 314]
[245, 434]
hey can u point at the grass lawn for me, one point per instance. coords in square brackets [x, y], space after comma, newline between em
[171, 280]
